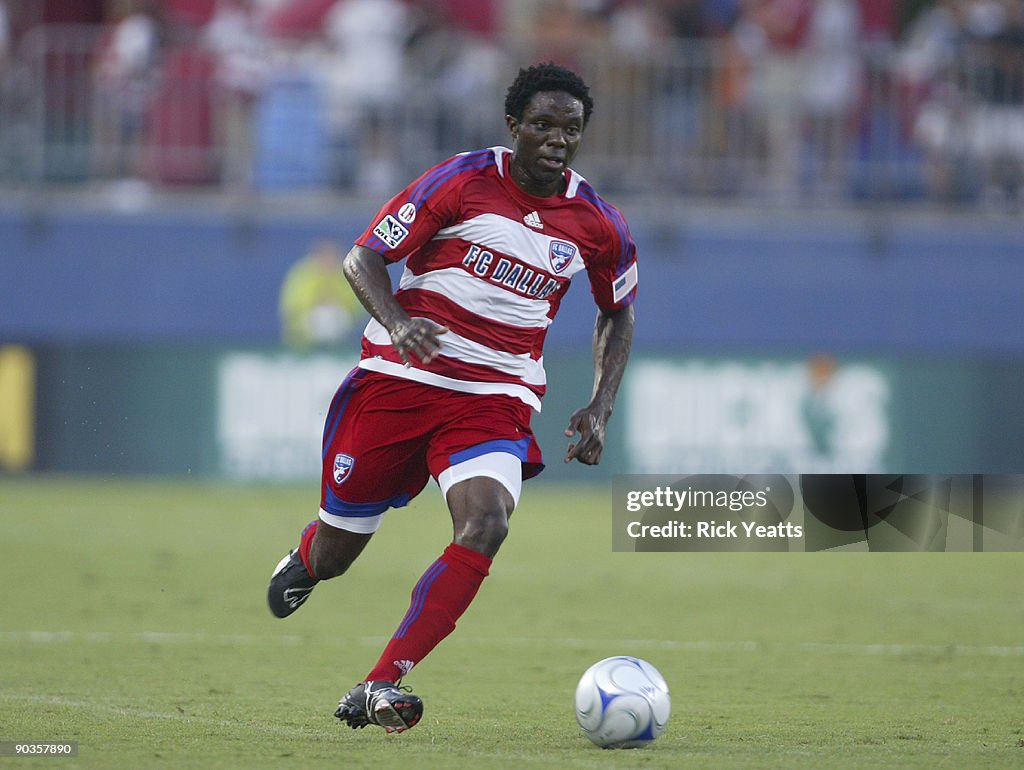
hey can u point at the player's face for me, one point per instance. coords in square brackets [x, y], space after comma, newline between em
[545, 141]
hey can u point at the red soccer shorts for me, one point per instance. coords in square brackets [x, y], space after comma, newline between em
[384, 437]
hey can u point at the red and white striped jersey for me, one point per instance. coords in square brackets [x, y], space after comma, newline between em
[492, 263]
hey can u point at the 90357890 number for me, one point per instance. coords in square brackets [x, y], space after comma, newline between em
[38, 748]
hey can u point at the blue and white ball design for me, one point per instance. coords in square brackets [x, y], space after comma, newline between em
[622, 703]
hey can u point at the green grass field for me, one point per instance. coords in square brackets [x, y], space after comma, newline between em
[134, 622]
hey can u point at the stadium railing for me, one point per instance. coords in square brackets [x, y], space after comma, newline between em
[692, 119]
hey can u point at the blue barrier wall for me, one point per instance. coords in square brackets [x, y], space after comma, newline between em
[747, 283]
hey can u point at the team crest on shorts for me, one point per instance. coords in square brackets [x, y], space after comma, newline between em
[342, 467]
[561, 254]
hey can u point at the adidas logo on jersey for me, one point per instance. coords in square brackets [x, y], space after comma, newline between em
[533, 220]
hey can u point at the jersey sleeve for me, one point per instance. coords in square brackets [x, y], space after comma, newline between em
[414, 216]
[613, 270]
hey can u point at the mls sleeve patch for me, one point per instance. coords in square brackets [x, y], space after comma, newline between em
[391, 231]
[623, 284]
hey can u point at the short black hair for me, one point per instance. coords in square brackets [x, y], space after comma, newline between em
[546, 77]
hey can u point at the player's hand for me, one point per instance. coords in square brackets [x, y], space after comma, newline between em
[590, 423]
[418, 337]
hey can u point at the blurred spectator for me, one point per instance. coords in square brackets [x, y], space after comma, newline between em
[965, 60]
[296, 19]
[995, 76]
[774, 33]
[126, 70]
[566, 31]
[930, 44]
[243, 64]
[317, 306]
[189, 14]
[180, 124]
[690, 19]
[647, 36]
[459, 70]
[364, 74]
[478, 18]
[720, 16]
[731, 133]
[66, 11]
[641, 29]
[833, 72]
[927, 52]
[878, 19]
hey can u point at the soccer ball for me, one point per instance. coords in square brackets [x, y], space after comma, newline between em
[622, 703]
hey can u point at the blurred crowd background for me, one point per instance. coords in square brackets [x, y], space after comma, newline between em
[768, 101]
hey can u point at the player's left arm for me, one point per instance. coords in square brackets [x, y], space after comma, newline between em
[613, 338]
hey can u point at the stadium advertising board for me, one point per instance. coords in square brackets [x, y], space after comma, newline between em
[270, 412]
[257, 413]
[759, 416]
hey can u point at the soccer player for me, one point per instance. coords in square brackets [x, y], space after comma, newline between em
[452, 365]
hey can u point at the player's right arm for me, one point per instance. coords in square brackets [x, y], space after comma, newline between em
[613, 280]
[367, 271]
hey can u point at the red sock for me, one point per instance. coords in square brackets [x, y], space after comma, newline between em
[305, 541]
[440, 597]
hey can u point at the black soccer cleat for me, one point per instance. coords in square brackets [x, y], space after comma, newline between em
[290, 585]
[380, 703]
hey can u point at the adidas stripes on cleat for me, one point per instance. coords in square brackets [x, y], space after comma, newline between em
[290, 585]
[380, 703]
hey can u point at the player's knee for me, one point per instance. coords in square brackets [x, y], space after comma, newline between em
[480, 509]
[496, 527]
[484, 531]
